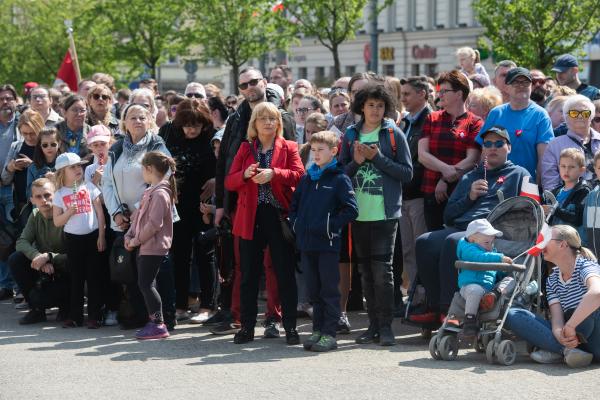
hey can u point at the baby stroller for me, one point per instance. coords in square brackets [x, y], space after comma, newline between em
[520, 219]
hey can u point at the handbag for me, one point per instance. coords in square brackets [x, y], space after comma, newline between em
[121, 262]
[286, 229]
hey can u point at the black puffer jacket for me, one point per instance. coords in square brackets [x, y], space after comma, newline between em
[235, 133]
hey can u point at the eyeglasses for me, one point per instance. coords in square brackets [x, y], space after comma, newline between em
[303, 110]
[267, 120]
[596, 120]
[538, 81]
[251, 82]
[46, 145]
[442, 92]
[195, 95]
[39, 96]
[7, 99]
[78, 110]
[497, 144]
[576, 113]
[522, 83]
[97, 96]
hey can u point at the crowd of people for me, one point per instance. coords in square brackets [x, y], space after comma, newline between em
[159, 209]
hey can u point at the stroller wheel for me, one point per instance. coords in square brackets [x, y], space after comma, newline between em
[433, 348]
[506, 352]
[448, 347]
[489, 352]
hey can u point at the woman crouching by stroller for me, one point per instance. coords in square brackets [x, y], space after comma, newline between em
[573, 294]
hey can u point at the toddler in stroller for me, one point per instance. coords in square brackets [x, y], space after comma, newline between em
[478, 246]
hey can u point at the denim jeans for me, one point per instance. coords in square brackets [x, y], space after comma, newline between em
[538, 332]
[6, 280]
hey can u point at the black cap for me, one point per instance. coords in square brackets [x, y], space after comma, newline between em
[498, 130]
[564, 62]
[515, 73]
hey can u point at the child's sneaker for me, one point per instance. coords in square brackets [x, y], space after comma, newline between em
[312, 339]
[488, 301]
[470, 327]
[325, 343]
[152, 331]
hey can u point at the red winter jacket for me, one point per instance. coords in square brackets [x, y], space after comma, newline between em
[287, 171]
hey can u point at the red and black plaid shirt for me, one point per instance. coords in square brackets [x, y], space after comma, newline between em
[448, 141]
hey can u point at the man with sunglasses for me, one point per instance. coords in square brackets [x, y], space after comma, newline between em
[567, 74]
[528, 125]
[195, 90]
[40, 101]
[539, 91]
[474, 197]
[253, 86]
[578, 111]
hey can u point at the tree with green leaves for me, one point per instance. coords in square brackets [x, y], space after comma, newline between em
[236, 31]
[332, 22]
[533, 33]
[143, 32]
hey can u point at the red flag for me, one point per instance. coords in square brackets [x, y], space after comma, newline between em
[66, 72]
[530, 190]
[542, 240]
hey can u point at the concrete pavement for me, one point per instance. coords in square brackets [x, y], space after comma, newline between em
[44, 361]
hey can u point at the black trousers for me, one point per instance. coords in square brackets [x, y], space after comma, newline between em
[83, 263]
[148, 267]
[434, 212]
[40, 290]
[267, 232]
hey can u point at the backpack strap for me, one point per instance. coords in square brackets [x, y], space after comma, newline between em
[392, 141]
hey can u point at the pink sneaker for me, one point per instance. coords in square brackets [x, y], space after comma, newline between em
[152, 331]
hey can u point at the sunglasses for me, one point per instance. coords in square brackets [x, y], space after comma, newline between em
[97, 96]
[538, 81]
[196, 95]
[46, 145]
[577, 113]
[488, 144]
[251, 82]
[39, 96]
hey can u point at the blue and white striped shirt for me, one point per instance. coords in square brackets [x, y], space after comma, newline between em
[568, 294]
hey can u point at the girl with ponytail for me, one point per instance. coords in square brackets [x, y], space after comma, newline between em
[151, 235]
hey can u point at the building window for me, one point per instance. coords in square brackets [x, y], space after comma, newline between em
[350, 70]
[302, 73]
[332, 73]
[388, 70]
[431, 69]
[415, 70]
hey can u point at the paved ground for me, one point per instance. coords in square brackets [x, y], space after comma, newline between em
[47, 362]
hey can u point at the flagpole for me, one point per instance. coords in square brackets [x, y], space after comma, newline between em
[69, 25]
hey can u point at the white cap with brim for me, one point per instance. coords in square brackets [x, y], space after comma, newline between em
[482, 226]
[68, 159]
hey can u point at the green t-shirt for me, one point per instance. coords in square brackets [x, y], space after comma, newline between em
[368, 184]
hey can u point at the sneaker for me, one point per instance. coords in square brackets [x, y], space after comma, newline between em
[201, 317]
[170, 320]
[576, 358]
[311, 340]
[182, 315]
[488, 301]
[69, 323]
[6, 294]
[226, 328]
[470, 327]
[271, 329]
[343, 325]
[110, 318]
[33, 317]
[152, 331]
[325, 343]
[386, 336]
[22, 305]
[93, 324]
[217, 318]
[425, 318]
[371, 335]
[19, 298]
[291, 337]
[452, 320]
[244, 335]
[304, 310]
[545, 357]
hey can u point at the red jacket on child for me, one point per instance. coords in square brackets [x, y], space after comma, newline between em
[287, 171]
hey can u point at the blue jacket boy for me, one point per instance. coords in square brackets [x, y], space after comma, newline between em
[321, 208]
[467, 251]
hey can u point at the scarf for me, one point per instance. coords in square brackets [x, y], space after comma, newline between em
[130, 149]
[315, 172]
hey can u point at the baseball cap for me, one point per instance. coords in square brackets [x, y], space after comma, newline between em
[482, 226]
[98, 133]
[68, 159]
[498, 130]
[515, 73]
[564, 62]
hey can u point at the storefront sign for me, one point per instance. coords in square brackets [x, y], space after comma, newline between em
[386, 54]
[424, 52]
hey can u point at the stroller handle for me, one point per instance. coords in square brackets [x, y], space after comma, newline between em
[474, 266]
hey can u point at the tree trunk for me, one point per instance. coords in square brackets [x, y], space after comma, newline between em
[336, 62]
[235, 71]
